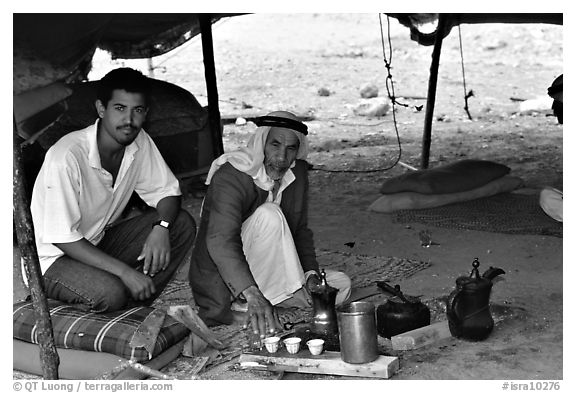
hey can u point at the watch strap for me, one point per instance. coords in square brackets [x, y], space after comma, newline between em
[162, 223]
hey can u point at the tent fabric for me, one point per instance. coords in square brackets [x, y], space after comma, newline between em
[415, 22]
[57, 47]
[132, 36]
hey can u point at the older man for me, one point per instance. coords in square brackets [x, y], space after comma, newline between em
[254, 243]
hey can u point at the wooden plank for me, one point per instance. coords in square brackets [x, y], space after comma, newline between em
[196, 364]
[426, 335]
[187, 316]
[420, 337]
[327, 362]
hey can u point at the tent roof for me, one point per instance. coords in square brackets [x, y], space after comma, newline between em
[67, 42]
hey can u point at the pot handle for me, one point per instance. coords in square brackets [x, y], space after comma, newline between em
[387, 287]
[394, 290]
[451, 304]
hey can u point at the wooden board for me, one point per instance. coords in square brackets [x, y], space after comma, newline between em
[425, 335]
[326, 363]
[420, 337]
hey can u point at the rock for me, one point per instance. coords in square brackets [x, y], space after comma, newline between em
[369, 90]
[323, 92]
[240, 121]
[374, 107]
[495, 45]
[539, 104]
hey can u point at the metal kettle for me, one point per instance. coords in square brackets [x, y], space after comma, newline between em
[324, 320]
[401, 313]
[468, 306]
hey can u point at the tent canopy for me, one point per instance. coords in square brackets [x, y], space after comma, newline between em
[66, 43]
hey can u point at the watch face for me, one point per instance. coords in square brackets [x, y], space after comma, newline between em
[165, 224]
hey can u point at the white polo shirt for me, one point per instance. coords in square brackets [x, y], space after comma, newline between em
[75, 198]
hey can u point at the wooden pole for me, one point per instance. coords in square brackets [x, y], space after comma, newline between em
[25, 234]
[211, 85]
[150, 67]
[431, 100]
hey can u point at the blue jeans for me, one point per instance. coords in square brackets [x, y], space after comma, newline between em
[96, 290]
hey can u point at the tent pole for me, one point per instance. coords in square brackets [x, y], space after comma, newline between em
[211, 85]
[150, 67]
[25, 233]
[431, 97]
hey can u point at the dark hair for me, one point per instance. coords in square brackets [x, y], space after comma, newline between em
[128, 79]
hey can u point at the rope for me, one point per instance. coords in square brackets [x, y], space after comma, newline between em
[466, 94]
[391, 96]
[389, 89]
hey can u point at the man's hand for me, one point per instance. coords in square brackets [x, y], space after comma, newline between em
[261, 316]
[140, 285]
[313, 282]
[156, 251]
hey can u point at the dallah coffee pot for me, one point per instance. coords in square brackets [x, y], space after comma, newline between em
[468, 306]
[324, 320]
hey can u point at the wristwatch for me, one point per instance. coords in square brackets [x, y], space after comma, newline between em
[162, 223]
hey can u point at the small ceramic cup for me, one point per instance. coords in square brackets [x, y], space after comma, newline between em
[315, 346]
[292, 344]
[271, 344]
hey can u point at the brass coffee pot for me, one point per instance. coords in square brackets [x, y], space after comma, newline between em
[468, 306]
[324, 320]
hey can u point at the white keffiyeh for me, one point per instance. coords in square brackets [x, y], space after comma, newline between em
[250, 159]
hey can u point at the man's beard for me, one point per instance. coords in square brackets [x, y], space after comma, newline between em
[126, 139]
[274, 171]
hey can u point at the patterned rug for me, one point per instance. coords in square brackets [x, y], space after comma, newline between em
[235, 338]
[503, 213]
[362, 269]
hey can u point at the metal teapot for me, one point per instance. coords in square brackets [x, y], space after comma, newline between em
[324, 320]
[401, 313]
[468, 306]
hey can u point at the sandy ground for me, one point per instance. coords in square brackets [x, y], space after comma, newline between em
[271, 62]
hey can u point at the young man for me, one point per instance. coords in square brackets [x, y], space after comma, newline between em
[253, 241]
[84, 184]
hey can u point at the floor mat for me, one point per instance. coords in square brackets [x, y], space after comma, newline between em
[364, 270]
[510, 213]
[233, 336]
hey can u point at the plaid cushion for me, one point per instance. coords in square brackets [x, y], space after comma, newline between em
[103, 332]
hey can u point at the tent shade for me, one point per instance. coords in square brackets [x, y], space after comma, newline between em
[62, 45]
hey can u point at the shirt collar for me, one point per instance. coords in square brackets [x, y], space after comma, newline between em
[93, 154]
[286, 180]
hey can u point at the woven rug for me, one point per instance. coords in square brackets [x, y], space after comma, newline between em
[235, 338]
[364, 270]
[503, 213]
